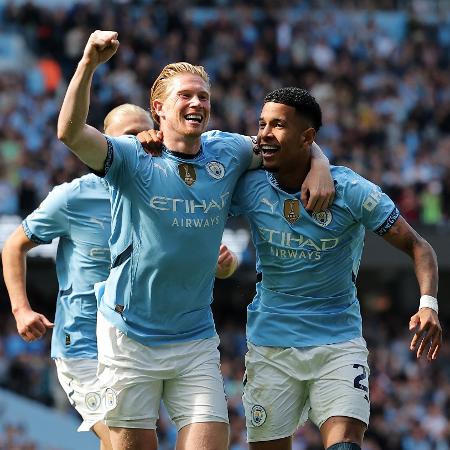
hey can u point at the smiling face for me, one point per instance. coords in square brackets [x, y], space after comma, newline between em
[185, 110]
[284, 138]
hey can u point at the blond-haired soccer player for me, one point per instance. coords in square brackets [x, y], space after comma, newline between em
[79, 213]
[156, 332]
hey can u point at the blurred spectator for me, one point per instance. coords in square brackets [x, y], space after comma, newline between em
[431, 203]
[381, 76]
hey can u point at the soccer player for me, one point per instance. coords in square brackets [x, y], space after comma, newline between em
[79, 213]
[306, 355]
[156, 333]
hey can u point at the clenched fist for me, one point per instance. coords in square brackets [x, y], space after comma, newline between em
[100, 47]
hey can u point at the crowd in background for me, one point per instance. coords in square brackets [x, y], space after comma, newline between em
[381, 76]
[15, 437]
[410, 399]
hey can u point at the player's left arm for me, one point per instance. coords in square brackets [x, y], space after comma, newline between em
[318, 189]
[227, 263]
[425, 323]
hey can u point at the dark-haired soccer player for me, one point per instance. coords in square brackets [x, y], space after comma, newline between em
[307, 357]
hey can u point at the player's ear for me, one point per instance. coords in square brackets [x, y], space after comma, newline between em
[308, 136]
[157, 106]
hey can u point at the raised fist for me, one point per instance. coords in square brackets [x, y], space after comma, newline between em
[100, 47]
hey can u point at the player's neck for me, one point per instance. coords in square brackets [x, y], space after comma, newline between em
[292, 178]
[183, 144]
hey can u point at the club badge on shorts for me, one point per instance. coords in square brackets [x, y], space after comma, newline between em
[323, 218]
[110, 399]
[215, 169]
[92, 400]
[187, 173]
[291, 210]
[258, 416]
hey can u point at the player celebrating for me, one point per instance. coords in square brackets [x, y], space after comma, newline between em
[306, 353]
[156, 333]
[79, 213]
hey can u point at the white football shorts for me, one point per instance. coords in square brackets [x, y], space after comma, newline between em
[283, 387]
[136, 377]
[78, 378]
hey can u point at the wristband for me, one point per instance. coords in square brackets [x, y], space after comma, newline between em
[428, 301]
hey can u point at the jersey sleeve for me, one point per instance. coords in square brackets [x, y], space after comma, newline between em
[245, 145]
[122, 159]
[50, 220]
[369, 205]
[243, 198]
[242, 146]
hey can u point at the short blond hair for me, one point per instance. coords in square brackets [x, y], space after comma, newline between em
[126, 108]
[159, 88]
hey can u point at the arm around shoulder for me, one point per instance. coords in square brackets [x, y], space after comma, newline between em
[318, 187]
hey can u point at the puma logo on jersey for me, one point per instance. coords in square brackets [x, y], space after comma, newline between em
[160, 167]
[269, 204]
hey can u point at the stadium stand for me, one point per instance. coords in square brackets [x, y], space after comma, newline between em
[379, 68]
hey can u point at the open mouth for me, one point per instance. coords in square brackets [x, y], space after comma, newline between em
[194, 118]
[268, 149]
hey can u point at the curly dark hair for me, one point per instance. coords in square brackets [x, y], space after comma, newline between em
[300, 99]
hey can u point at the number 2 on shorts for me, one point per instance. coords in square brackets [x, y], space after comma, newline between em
[362, 376]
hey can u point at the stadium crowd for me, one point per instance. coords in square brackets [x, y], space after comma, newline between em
[381, 76]
[410, 399]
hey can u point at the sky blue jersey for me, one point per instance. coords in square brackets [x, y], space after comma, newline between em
[79, 213]
[309, 262]
[168, 216]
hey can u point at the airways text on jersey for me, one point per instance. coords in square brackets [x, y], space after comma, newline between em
[191, 213]
[292, 245]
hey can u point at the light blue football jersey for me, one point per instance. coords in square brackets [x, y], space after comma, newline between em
[168, 216]
[79, 213]
[308, 262]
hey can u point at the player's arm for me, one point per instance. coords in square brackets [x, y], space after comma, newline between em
[425, 323]
[83, 140]
[30, 324]
[227, 263]
[151, 141]
[317, 191]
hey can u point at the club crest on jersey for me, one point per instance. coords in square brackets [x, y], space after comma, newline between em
[187, 173]
[323, 218]
[93, 401]
[291, 210]
[258, 416]
[215, 169]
